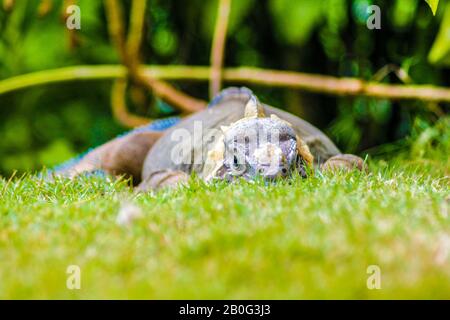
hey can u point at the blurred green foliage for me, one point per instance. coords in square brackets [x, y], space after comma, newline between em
[440, 52]
[46, 125]
[433, 5]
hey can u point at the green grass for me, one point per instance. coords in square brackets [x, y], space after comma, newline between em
[311, 238]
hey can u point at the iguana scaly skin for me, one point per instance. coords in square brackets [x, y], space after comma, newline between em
[235, 137]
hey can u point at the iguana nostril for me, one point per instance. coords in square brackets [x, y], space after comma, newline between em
[261, 170]
[284, 170]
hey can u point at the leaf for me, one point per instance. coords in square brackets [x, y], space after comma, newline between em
[336, 18]
[433, 5]
[56, 152]
[44, 49]
[238, 11]
[404, 12]
[440, 51]
[295, 20]
[165, 42]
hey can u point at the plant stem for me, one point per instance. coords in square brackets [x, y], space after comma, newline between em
[302, 81]
[218, 46]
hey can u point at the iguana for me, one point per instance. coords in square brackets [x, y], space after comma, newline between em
[235, 137]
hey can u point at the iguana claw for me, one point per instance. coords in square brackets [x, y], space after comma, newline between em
[163, 179]
[344, 162]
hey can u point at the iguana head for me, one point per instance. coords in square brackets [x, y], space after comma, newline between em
[258, 146]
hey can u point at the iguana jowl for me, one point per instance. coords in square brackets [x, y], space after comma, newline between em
[235, 137]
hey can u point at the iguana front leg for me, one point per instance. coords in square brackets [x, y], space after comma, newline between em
[121, 156]
[344, 162]
[163, 179]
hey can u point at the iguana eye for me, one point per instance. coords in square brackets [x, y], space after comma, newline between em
[237, 168]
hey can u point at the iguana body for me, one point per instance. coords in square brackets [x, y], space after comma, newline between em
[202, 143]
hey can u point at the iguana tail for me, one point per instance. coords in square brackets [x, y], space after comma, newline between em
[124, 154]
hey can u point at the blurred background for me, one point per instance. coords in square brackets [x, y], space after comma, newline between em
[45, 125]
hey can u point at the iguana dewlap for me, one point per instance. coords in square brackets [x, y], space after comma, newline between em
[235, 137]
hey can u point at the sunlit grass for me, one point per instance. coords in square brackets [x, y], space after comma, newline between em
[311, 238]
